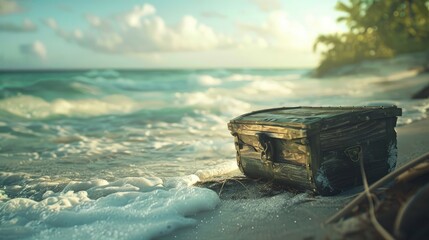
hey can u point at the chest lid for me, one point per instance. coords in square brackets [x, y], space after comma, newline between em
[308, 119]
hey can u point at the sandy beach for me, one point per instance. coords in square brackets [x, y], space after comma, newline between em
[282, 218]
[300, 215]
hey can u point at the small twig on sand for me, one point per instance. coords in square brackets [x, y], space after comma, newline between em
[224, 182]
[221, 187]
[242, 184]
[380, 229]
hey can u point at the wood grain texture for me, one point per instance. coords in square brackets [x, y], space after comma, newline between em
[306, 147]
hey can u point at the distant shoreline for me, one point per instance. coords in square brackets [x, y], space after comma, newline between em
[403, 62]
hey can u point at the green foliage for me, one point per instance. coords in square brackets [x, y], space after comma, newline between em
[377, 29]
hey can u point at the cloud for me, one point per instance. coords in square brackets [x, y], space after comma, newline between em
[8, 7]
[267, 5]
[142, 31]
[134, 17]
[26, 26]
[51, 23]
[281, 32]
[97, 22]
[35, 49]
[212, 14]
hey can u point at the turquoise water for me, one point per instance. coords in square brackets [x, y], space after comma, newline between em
[89, 124]
[87, 153]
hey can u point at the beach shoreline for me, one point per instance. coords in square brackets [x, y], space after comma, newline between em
[290, 215]
[294, 215]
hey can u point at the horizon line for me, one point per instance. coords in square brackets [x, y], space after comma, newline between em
[3, 70]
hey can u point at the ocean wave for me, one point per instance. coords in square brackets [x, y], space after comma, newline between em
[256, 77]
[27, 106]
[48, 89]
[413, 111]
[102, 73]
[208, 80]
[270, 88]
[213, 100]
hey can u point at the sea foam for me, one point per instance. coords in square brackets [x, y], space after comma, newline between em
[128, 208]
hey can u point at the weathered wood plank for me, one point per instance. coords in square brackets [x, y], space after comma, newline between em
[316, 148]
[352, 134]
[309, 117]
[273, 131]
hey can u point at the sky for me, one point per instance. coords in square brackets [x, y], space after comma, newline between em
[115, 34]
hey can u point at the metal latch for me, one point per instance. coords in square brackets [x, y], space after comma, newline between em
[354, 153]
[266, 147]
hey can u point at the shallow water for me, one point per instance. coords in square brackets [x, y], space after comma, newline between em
[82, 151]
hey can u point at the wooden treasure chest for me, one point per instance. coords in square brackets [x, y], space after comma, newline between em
[317, 148]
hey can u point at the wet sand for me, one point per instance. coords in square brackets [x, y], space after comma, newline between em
[289, 215]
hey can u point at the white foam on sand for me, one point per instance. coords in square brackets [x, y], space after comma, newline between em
[128, 208]
[88, 146]
[219, 170]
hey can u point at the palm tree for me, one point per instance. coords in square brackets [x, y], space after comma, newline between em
[377, 29]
